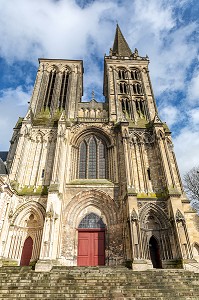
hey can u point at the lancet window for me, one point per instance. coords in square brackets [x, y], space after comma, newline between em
[137, 89]
[135, 75]
[63, 91]
[92, 158]
[140, 108]
[127, 108]
[50, 89]
[123, 88]
[121, 74]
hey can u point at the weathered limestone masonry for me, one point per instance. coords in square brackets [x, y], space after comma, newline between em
[92, 183]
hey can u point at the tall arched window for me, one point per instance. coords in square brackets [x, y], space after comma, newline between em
[123, 88]
[140, 107]
[63, 91]
[102, 161]
[121, 74]
[92, 158]
[135, 75]
[50, 89]
[82, 161]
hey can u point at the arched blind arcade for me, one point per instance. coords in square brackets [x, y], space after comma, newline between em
[92, 158]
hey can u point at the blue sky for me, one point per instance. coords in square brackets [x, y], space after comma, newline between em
[167, 31]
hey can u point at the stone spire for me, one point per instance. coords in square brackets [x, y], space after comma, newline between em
[120, 46]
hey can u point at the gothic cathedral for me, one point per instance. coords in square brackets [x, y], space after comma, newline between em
[95, 183]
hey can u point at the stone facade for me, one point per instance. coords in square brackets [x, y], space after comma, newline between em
[70, 159]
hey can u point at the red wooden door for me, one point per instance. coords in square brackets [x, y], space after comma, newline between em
[26, 252]
[91, 250]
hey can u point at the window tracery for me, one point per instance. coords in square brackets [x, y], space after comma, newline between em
[91, 221]
[92, 158]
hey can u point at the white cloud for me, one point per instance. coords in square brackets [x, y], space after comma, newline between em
[13, 104]
[194, 118]
[61, 29]
[170, 114]
[193, 90]
[186, 149]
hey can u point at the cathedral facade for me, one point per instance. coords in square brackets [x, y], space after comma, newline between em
[95, 183]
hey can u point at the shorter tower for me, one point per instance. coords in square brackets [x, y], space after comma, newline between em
[92, 183]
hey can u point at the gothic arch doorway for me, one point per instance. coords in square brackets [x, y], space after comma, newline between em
[26, 252]
[155, 253]
[91, 241]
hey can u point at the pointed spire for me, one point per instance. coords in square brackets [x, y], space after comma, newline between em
[120, 46]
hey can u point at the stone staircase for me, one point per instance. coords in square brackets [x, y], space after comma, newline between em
[98, 283]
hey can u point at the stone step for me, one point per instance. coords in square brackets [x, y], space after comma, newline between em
[98, 283]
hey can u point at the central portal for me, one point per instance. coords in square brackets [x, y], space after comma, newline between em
[91, 241]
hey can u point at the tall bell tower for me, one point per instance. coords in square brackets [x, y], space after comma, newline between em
[150, 184]
[127, 84]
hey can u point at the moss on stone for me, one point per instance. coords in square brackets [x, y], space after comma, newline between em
[29, 190]
[9, 262]
[158, 195]
[166, 128]
[90, 182]
[53, 188]
[141, 123]
[19, 123]
[45, 118]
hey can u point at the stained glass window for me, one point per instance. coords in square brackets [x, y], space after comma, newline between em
[92, 164]
[92, 158]
[82, 161]
[102, 161]
[91, 221]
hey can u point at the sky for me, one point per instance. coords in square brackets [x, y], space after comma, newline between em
[167, 31]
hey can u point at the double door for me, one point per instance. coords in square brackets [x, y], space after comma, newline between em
[91, 247]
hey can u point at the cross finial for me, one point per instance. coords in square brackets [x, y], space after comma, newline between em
[93, 94]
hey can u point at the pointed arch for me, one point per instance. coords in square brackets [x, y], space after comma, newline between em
[81, 133]
[91, 200]
[27, 221]
[92, 220]
[154, 222]
[155, 211]
[31, 207]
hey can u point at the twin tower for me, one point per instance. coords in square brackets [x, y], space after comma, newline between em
[95, 183]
